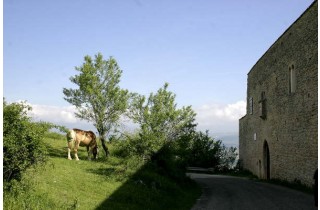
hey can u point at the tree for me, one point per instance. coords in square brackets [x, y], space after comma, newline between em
[160, 120]
[205, 151]
[98, 98]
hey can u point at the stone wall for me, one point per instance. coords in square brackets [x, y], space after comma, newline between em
[280, 138]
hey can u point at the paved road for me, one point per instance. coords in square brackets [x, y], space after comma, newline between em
[225, 192]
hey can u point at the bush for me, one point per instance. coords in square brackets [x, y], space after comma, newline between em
[127, 147]
[190, 149]
[166, 162]
[205, 152]
[22, 145]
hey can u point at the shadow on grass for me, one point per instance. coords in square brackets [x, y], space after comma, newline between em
[147, 189]
[62, 152]
[157, 184]
[54, 152]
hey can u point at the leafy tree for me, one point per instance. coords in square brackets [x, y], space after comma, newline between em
[228, 158]
[204, 151]
[160, 120]
[22, 141]
[98, 98]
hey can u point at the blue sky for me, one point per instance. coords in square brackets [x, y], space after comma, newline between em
[203, 49]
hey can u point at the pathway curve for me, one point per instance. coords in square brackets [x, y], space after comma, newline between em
[226, 192]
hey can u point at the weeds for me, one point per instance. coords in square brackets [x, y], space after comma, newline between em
[296, 185]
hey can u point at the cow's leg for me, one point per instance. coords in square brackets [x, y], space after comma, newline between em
[76, 146]
[89, 151]
[69, 150]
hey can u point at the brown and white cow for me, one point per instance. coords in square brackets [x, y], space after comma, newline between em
[77, 137]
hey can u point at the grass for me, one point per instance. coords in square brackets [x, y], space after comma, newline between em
[296, 185]
[111, 183]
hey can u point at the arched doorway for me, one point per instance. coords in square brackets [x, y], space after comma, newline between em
[266, 160]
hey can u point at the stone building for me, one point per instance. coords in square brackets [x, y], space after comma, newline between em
[278, 136]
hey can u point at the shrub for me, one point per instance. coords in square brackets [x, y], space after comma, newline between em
[228, 156]
[22, 145]
[206, 152]
[166, 162]
[190, 149]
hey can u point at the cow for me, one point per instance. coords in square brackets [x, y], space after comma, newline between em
[77, 137]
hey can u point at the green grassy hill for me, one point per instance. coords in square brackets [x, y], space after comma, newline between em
[111, 183]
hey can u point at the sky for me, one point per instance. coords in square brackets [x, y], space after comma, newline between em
[203, 49]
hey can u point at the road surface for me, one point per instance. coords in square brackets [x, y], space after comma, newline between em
[225, 192]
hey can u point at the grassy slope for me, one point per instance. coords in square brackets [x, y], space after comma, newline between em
[104, 184]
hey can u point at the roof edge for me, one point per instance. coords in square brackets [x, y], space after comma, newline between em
[314, 2]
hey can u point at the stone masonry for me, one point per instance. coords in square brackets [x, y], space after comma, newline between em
[278, 137]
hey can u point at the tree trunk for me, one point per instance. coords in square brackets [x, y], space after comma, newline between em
[102, 134]
[104, 146]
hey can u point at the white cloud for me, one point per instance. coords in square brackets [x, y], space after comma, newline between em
[64, 115]
[59, 115]
[220, 118]
[54, 114]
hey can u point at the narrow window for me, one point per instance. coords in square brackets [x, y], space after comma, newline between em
[262, 106]
[251, 105]
[255, 136]
[292, 79]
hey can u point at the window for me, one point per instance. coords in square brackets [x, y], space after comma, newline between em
[255, 136]
[251, 105]
[262, 106]
[292, 79]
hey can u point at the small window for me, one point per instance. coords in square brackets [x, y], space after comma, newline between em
[292, 79]
[262, 106]
[255, 136]
[251, 105]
